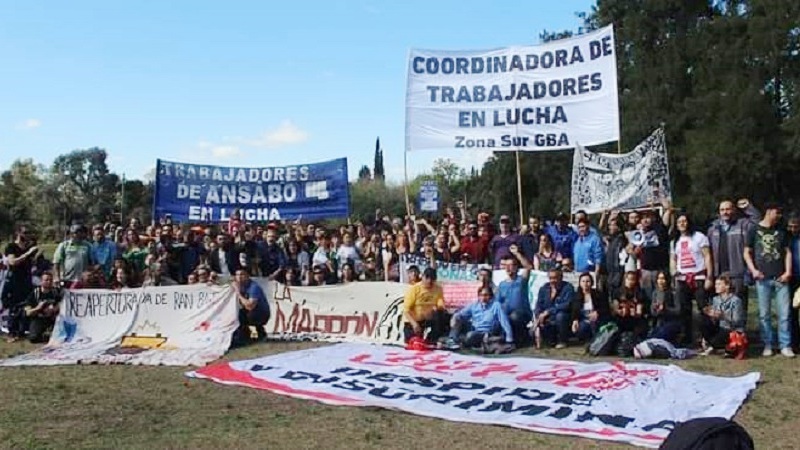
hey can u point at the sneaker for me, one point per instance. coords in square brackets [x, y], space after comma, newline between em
[707, 351]
[787, 352]
[560, 346]
[451, 344]
[767, 352]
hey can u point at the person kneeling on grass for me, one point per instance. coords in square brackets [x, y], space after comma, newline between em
[41, 309]
[476, 323]
[253, 308]
[722, 323]
[423, 309]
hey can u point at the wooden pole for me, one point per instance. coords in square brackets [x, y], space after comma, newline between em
[519, 191]
[405, 185]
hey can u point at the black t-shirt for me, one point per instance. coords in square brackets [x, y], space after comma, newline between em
[655, 251]
[38, 296]
[20, 274]
[769, 250]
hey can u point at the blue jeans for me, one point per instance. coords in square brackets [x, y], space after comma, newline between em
[767, 289]
[556, 329]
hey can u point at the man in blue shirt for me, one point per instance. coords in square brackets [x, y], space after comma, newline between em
[587, 251]
[253, 308]
[563, 235]
[103, 251]
[512, 294]
[478, 321]
[552, 314]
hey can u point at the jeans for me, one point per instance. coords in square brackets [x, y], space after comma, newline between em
[556, 330]
[668, 330]
[256, 318]
[714, 335]
[586, 330]
[471, 338]
[519, 325]
[767, 289]
[793, 314]
[436, 324]
[684, 294]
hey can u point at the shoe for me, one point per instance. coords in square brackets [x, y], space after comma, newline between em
[707, 351]
[561, 345]
[451, 344]
[767, 352]
[787, 352]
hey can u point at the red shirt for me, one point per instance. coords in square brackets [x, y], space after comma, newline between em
[477, 248]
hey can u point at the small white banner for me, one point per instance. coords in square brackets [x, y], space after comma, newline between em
[604, 181]
[175, 325]
[615, 401]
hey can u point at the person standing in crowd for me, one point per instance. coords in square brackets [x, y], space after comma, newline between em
[103, 251]
[667, 312]
[41, 309]
[73, 256]
[499, 246]
[530, 237]
[589, 309]
[725, 314]
[475, 323]
[512, 293]
[476, 246]
[270, 255]
[617, 256]
[694, 272]
[347, 252]
[19, 284]
[224, 260]
[253, 308]
[587, 251]
[727, 236]
[423, 309]
[793, 228]
[562, 235]
[546, 258]
[769, 260]
[653, 250]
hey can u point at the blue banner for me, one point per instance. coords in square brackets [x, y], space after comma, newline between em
[200, 193]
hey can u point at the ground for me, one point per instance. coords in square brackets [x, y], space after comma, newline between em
[156, 407]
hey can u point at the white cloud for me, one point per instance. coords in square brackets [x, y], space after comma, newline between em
[286, 134]
[29, 124]
[225, 151]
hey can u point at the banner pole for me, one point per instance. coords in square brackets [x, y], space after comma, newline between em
[405, 185]
[519, 190]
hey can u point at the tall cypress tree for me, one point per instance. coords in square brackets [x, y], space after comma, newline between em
[378, 173]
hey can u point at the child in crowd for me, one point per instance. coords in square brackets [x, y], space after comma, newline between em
[722, 323]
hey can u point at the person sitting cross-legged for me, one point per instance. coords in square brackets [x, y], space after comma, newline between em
[722, 323]
[554, 309]
[41, 308]
[590, 309]
[475, 323]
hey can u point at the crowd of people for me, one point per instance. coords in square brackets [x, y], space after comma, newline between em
[652, 272]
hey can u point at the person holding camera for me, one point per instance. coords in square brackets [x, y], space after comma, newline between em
[41, 309]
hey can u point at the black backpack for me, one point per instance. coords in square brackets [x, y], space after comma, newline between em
[627, 340]
[708, 433]
[604, 341]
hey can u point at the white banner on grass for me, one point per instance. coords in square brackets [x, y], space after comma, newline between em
[365, 312]
[175, 325]
[604, 181]
[635, 403]
[528, 98]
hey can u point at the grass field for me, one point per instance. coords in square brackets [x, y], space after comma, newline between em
[156, 407]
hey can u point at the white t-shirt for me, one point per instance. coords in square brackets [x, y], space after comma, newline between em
[688, 251]
[347, 253]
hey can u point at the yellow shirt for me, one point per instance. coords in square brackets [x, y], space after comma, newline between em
[420, 301]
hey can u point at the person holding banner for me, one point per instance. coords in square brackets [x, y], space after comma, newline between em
[253, 308]
[423, 309]
[477, 322]
[513, 294]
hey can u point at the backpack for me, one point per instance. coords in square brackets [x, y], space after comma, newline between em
[627, 340]
[708, 433]
[603, 342]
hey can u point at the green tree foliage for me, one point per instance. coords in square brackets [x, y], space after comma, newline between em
[378, 172]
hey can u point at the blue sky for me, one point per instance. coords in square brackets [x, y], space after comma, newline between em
[245, 83]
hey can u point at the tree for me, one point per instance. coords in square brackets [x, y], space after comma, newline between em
[87, 171]
[364, 174]
[378, 173]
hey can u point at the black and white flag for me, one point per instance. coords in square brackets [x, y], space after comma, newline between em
[603, 181]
